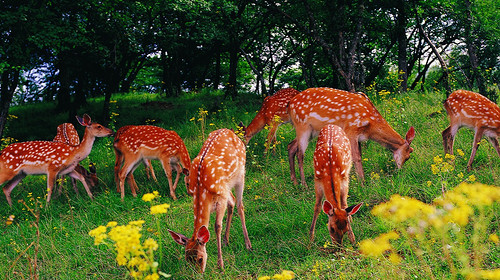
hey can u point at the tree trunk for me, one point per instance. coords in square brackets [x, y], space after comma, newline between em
[444, 67]
[233, 67]
[402, 46]
[9, 82]
[472, 51]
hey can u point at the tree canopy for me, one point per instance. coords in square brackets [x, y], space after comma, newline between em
[67, 51]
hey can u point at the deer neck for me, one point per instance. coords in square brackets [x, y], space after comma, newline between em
[83, 150]
[202, 206]
[384, 134]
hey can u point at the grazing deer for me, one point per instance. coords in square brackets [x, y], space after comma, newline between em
[470, 109]
[354, 113]
[273, 113]
[218, 168]
[136, 144]
[332, 164]
[47, 157]
[66, 133]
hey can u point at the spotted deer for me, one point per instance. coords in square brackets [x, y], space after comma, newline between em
[470, 109]
[66, 133]
[218, 168]
[354, 113]
[332, 164]
[142, 143]
[272, 113]
[47, 157]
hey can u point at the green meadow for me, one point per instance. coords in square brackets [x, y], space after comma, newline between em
[52, 241]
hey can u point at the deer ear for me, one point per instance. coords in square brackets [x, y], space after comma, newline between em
[410, 135]
[203, 235]
[351, 210]
[179, 238]
[85, 121]
[327, 208]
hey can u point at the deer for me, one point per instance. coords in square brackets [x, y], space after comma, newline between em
[332, 165]
[354, 113]
[66, 133]
[272, 113]
[218, 168]
[472, 110]
[142, 143]
[47, 157]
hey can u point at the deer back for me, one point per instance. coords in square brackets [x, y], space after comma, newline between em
[220, 161]
[151, 142]
[273, 106]
[66, 133]
[473, 110]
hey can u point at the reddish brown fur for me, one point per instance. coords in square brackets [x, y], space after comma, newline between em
[218, 168]
[66, 133]
[470, 109]
[332, 165]
[136, 144]
[46, 157]
[314, 108]
[275, 105]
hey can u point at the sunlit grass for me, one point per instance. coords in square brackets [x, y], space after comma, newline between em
[278, 213]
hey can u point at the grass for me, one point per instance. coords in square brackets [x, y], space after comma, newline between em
[278, 213]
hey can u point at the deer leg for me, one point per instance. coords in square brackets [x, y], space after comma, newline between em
[449, 138]
[230, 211]
[177, 169]
[241, 211]
[128, 167]
[494, 143]
[475, 145]
[150, 172]
[219, 216]
[271, 136]
[51, 179]
[292, 151]
[302, 142]
[118, 163]
[165, 162]
[356, 158]
[134, 188]
[317, 209]
[11, 184]
[75, 175]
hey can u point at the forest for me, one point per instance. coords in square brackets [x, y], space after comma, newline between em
[69, 51]
[426, 206]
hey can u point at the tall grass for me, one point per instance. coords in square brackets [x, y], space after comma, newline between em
[278, 213]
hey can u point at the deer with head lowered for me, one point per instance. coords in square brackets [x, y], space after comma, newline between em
[470, 109]
[314, 108]
[272, 113]
[142, 143]
[47, 157]
[332, 164]
[66, 133]
[218, 168]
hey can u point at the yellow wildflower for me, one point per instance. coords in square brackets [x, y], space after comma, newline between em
[150, 244]
[460, 152]
[159, 209]
[112, 224]
[471, 178]
[148, 197]
[376, 247]
[494, 238]
[394, 258]
[264, 278]
[438, 160]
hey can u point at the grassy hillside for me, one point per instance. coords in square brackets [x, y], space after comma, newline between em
[278, 213]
